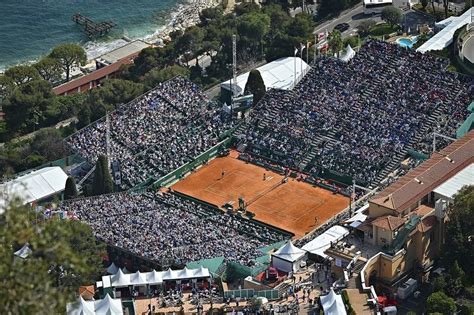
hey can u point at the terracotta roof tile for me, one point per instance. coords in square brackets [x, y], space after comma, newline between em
[427, 224]
[427, 176]
[389, 222]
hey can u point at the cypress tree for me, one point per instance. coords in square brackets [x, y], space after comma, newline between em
[108, 185]
[70, 191]
[255, 86]
[98, 181]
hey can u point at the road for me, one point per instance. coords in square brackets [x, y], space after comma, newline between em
[351, 16]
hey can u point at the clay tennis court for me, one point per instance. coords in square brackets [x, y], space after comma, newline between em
[294, 206]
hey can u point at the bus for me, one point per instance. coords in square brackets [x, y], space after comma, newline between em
[376, 6]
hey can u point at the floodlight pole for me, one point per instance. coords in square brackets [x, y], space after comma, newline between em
[234, 70]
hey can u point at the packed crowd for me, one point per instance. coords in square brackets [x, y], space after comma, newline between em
[155, 133]
[164, 227]
[355, 117]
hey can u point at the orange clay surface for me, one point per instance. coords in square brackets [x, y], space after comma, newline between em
[294, 206]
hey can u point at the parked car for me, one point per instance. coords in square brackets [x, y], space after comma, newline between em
[342, 27]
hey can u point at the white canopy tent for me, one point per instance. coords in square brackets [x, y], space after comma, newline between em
[121, 279]
[319, 245]
[288, 258]
[106, 306]
[333, 304]
[34, 186]
[348, 54]
[453, 185]
[278, 74]
[112, 269]
[445, 37]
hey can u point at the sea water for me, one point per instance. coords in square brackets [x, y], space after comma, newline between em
[29, 29]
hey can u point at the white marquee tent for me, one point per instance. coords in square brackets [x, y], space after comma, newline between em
[445, 37]
[333, 304]
[288, 258]
[278, 74]
[121, 279]
[348, 54]
[106, 306]
[34, 186]
[319, 245]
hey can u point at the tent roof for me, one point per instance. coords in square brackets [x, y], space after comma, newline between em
[120, 279]
[319, 245]
[154, 277]
[333, 304]
[445, 37]
[451, 187]
[81, 307]
[289, 252]
[348, 54]
[108, 306]
[138, 278]
[278, 74]
[34, 186]
[112, 269]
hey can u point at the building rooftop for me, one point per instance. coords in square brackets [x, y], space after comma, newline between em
[388, 222]
[132, 48]
[425, 178]
[427, 224]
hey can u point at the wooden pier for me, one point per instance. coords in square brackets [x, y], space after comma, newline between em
[91, 28]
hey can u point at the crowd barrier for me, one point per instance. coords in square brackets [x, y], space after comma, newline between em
[250, 293]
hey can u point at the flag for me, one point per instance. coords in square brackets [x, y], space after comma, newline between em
[296, 51]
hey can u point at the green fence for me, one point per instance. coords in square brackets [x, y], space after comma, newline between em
[250, 293]
[199, 160]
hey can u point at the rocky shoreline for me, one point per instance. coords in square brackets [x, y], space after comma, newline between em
[186, 15]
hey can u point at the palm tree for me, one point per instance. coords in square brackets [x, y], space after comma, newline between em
[335, 42]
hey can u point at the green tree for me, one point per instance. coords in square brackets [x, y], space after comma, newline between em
[208, 15]
[102, 182]
[32, 285]
[108, 182]
[98, 180]
[49, 69]
[459, 246]
[255, 86]
[48, 143]
[112, 93]
[252, 28]
[455, 280]
[70, 190]
[246, 7]
[335, 42]
[189, 45]
[156, 76]
[392, 15]
[439, 302]
[22, 74]
[365, 26]
[6, 86]
[24, 108]
[70, 56]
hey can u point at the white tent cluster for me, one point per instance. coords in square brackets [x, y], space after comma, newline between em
[121, 279]
[106, 306]
[321, 243]
[288, 258]
[280, 74]
[34, 186]
[333, 304]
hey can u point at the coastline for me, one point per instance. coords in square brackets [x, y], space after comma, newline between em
[183, 15]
